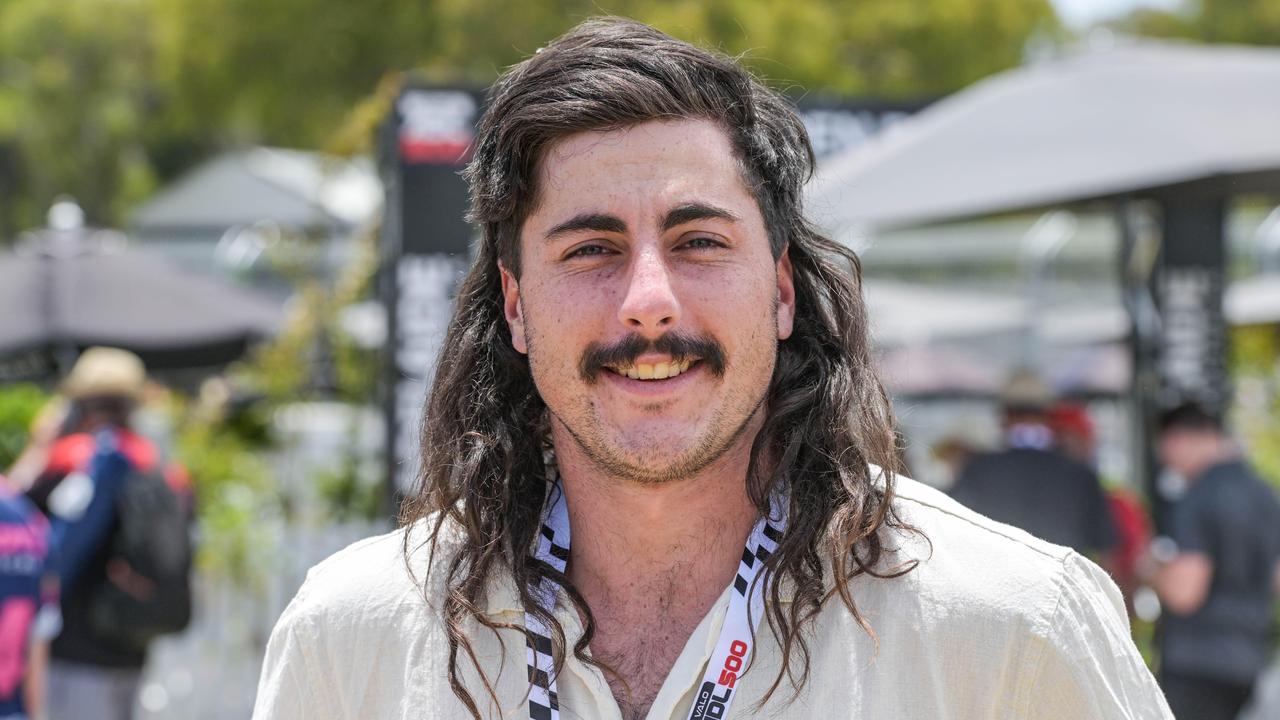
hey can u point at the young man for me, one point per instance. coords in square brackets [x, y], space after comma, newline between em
[1217, 571]
[650, 482]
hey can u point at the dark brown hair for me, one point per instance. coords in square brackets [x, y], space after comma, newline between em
[827, 419]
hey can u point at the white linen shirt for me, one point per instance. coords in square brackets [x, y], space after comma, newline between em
[992, 624]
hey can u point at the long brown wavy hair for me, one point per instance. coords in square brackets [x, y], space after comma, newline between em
[828, 418]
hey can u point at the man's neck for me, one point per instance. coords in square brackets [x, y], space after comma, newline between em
[1223, 452]
[631, 538]
[651, 560]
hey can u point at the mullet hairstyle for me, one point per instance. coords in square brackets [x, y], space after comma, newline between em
[828, 418]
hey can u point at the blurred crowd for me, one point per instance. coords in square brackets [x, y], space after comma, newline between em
[95, 543]
[1210, 574]
[95, 550]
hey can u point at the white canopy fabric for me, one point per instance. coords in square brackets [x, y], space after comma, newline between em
[908, 313]
[289, 187]
[1136, 117]
[1254, 301]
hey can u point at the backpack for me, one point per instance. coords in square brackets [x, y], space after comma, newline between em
[153, 543]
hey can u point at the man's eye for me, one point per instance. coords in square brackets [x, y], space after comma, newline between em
[702, 243]
[587, 251]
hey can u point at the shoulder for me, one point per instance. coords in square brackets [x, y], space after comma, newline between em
[1026, 619]
[22, 528]
[367, 581]
[69, 453]
[1222, 489]
[362, 607]
[139, 450]
[15, 507]
[963, 536]
[1025, 464]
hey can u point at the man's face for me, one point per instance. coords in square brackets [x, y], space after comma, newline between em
[649, 303]
[1186, 451]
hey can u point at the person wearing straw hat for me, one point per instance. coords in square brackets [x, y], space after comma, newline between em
[92, 674]
[1030, 484]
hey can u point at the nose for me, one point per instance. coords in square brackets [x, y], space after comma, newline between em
[650, 306]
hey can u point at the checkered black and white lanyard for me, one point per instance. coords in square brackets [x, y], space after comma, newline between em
[737, 636]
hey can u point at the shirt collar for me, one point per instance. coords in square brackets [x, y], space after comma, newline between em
[504, 598]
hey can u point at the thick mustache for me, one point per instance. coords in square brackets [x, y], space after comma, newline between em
[624, 352]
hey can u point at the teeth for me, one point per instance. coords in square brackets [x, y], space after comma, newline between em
[656, 371]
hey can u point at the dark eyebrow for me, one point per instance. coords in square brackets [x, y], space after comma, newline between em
[695, 211]
[599, 222]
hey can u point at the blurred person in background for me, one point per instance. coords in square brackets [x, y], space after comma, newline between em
[112, 578]
[956, 449]
[1030, 484]
[1075, 437]
[45, 430]
[1216, 572]
[29, 613]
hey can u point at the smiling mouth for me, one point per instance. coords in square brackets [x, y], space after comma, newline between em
[652, 371]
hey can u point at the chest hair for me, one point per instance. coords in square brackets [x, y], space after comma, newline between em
[641, 650]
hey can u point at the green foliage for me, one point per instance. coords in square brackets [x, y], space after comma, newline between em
[898, 48]
[240, 506]
[235, 497]
[282, 372]
[1250, 22]
[73, 107]
[108, 100]
[1255, 352]
[19, 405]
[352, 494]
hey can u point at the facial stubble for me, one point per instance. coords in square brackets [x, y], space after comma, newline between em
[646, 470]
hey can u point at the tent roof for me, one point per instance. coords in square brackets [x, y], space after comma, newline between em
[1137, 118]
[112, 296]
[908, 313]
[289, 187]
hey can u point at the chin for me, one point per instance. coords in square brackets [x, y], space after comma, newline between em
[654, 461]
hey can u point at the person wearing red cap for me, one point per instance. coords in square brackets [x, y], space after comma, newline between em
[1075, 437]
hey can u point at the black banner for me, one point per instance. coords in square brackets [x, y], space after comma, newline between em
[1189, 286]
[425, 250]
[838, 126]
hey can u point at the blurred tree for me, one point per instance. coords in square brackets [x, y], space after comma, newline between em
[868, 47]
[19, 404]
[1252, 22]
[74, 98]
[1255, 371]
[283, 71]
[105, 100]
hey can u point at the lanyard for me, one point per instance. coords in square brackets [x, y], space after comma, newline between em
[733, 648]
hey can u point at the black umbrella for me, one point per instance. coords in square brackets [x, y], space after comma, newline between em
[64, 290]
